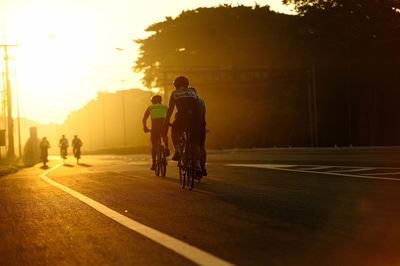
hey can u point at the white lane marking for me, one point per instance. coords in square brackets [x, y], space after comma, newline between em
[317, 168]
[188, 251]
[353, 170]
[268, 166]
[279, 165]
[392, 173]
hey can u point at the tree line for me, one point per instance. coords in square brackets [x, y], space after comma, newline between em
[253, 65]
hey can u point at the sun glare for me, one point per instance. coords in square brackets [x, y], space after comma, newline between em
[53, 53]
[60, 43]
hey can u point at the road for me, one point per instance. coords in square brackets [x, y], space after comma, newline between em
[254, 208]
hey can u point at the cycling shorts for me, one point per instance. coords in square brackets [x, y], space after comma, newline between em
[192, 122]
[157, 129]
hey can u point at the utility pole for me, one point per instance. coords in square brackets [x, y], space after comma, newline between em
[10, 152]
[166, 99]
[314, 95]
[19, 121]
[123, 110]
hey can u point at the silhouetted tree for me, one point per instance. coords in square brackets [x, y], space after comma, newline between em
[220, 36]
[352, 43]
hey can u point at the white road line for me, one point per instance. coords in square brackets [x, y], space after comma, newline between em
[392, 173]
[268, 166]
[317, 168]
[188, 251]
[353, 170]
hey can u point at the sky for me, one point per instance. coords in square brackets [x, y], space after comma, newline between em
[66, 48]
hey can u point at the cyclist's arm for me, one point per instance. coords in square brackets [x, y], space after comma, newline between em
[170, 108]
[146, 115]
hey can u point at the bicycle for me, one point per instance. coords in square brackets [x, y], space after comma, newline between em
[161, 159]
[44, 155]
[64, 153]
[77, 154]
[185, 163]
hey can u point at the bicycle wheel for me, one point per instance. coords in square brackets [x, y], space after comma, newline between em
[181, 162]
[163, 162]
[192, 177]
[181, 173]
[157, 170]
[182, 176]
[77, 154]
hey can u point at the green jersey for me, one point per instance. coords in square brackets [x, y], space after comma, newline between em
[158, 111]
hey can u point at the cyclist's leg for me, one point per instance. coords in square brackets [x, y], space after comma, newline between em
[164, 136]
[194, 127]
[175, 134]
[153, 149]
[156, 131]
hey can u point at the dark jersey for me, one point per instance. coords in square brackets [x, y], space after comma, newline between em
[185, 101]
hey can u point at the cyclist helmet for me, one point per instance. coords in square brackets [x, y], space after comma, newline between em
[181, 81]
[156, 99]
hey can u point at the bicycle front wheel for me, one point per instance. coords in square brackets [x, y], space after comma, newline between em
[182, 174]
[191, 180]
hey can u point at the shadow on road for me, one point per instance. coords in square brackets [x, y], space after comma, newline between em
[84, 165]
[68, 165]
[44, 167]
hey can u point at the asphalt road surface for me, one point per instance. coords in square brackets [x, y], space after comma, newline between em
[254, 208]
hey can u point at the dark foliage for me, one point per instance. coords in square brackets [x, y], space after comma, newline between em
[246, 62]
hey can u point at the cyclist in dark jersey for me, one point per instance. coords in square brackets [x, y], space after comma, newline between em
[188, 116]
[157, 111]
[202, 136]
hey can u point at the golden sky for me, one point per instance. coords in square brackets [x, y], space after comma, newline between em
[67, 52]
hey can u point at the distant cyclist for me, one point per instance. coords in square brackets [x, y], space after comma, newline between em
[44, 150]
[158, 112]
[188, 116]
[202, 138]
[76, 147]
[63, 144]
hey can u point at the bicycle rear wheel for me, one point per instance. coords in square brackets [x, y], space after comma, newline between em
[182, 176]
[158, 168]
[163, 162]
[192, 176]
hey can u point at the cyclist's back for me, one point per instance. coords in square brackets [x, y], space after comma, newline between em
[188, 116]
[186, 101]
[63, 144]
[76, 142]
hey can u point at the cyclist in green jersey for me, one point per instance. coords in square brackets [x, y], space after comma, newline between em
[158, 112]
